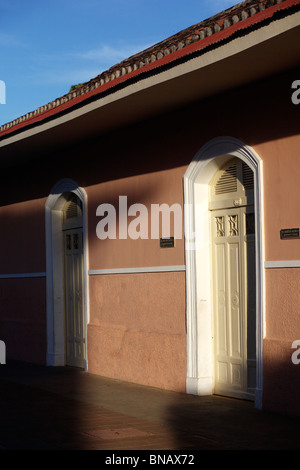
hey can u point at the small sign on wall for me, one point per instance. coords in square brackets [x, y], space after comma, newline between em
[167, 242]
[288, 233]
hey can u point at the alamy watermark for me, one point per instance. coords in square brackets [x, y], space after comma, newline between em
[2, 352]
[134, 221]
[162, 222]
[2, 92]
[296, 354]
[296, 94]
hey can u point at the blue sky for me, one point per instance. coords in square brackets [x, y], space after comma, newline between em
[48, 45]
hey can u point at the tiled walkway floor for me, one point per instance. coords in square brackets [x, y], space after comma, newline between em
[63, 408]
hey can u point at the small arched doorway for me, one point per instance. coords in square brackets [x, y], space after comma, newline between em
[67, 280]
[232, 220]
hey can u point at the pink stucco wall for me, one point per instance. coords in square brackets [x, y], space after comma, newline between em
[281, 375]
[281, 194]
[146, 189]
[22, 237]
[137, 321]
[137, 328]
[282, 300]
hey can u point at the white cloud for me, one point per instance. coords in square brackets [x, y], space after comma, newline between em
[72, 68]
[111, 54]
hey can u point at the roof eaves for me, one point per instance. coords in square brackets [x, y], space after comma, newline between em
[183, 45]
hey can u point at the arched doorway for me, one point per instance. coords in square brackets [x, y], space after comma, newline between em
[67, 289]
[199, 287]
[232, 224]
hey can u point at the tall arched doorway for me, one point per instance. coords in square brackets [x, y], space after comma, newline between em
[67, 289]
[232, 221]
[213, 157]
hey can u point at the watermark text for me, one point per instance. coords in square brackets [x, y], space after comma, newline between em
[296, 354]
[2, 352]
[134, 222]
[296, 94]
[2, 92]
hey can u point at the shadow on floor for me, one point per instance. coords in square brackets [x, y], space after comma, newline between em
[62, 408]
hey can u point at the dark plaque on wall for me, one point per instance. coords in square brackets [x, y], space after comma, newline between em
[287, 233]
[166, 242]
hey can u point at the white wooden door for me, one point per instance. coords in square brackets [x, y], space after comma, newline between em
[74, 298]
[233, 276]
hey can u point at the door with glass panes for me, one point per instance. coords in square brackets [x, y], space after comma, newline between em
[233, 278]
[73, 284]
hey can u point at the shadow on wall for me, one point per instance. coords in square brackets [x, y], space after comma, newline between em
[281, 377]
[164, 142]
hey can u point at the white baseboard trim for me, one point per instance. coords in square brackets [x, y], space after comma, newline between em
[55, 359]
[202, 386]
[258, 399]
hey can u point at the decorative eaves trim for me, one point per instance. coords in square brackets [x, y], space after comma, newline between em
[194, 39]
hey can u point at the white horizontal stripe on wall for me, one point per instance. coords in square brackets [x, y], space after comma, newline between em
[282, 264]
[21, 275]
[151, 269]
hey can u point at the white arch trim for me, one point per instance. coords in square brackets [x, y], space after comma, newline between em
[213, 155]
[54, 268]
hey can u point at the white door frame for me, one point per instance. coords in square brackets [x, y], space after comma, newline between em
[55, 272]
[206, 162]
